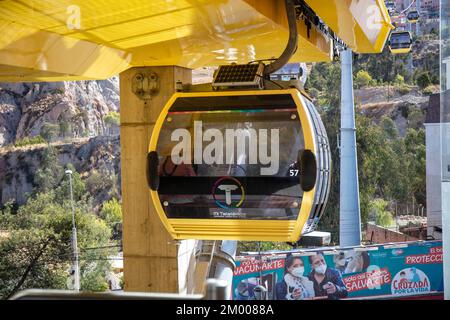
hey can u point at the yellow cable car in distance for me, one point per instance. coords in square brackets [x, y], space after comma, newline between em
[400, 42]
[413, 16]
[250, 165]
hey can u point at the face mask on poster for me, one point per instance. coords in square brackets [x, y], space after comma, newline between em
[321, 269]
[298, 272]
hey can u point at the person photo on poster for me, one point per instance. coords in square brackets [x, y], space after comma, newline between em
[327, 281]
[294, 285]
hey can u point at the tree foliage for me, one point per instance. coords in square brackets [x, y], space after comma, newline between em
[49, 131]
[112, 118]
[362, 79]
[29, 141]
[379, 211]
[423, 80]
[111, 212]
[35, 242]
[37, 246]
[391, 167]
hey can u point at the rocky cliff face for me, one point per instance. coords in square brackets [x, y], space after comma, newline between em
[405, 108]
[19, 165]
[81, 106]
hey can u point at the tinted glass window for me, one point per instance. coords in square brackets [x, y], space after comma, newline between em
[231, 157]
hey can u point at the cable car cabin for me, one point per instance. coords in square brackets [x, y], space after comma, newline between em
[390, 6]
[400, 42]
[413, 16]
[239, 165]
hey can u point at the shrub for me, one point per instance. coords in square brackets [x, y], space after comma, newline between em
[29, 141]
[112, 118]
[423, 80]
[402, 89]
[383, 217]
[399, 79]
[428, 90]
[49, 131]
[111, 212]
[363, 79]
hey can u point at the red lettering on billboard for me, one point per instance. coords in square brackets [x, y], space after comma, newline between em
[367, 280]
[251, 266]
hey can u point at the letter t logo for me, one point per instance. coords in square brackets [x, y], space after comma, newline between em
[227, 188]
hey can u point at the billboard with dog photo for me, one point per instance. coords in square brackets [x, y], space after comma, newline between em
[376, 271]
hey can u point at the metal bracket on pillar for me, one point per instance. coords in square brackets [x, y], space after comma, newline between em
[144, 86]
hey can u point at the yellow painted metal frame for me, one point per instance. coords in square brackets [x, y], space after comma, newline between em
[400, 51]
[337, 14]
[233, 229]
[38, 43]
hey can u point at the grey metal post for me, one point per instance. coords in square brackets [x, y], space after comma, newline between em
[350, 218]
[216, 289]
[223, 263]
[445, 148]
[446, 236]
[220, 257]
[418, 8]
[75, 265]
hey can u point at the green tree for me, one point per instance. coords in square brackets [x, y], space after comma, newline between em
[36, 252]
[363, 79]
[399, 79]
[64, 128]
[391, 167]
[29, 141]
[49, 131]
[389, 127]
[50, 172]
[327, 80]
[112, 118]
[111, 212]
[416, 118]
[78, 186]
[423, 80]
[379, 210]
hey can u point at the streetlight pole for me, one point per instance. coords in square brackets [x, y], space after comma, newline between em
[75, 267]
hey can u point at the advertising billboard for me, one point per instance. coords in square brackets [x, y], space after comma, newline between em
[377, 272]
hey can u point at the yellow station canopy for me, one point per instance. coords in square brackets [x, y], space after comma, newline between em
[53, 40]
[364, 25]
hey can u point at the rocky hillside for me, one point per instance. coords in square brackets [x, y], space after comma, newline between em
[81, 106]
[26, 108]
[407, 107]
[98, 154]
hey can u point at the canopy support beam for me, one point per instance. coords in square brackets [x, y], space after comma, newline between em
[153, 261]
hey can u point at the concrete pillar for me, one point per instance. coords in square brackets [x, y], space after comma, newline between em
[151, 257]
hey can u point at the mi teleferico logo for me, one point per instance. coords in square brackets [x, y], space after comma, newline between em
[227, 186]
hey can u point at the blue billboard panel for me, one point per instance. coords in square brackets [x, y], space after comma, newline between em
[383, 271]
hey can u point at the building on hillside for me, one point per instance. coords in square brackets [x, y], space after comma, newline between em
[401, 5]
[430, 6]
[378, 234]
[115, 276]
[433, 167]
[427, 8]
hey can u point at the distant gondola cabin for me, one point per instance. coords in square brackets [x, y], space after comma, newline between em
[400, 42]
